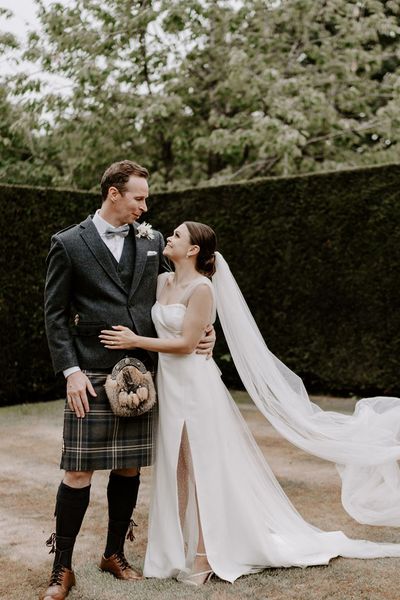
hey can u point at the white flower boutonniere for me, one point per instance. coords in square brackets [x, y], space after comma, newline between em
[145, 230]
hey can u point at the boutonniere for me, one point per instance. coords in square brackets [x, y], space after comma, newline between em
[145, 230]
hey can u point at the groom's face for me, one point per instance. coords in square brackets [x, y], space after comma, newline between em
[131, 204]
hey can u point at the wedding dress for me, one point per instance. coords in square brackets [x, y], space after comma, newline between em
[247, 521]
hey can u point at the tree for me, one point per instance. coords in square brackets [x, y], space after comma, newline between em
[23, 157]
[202, 90]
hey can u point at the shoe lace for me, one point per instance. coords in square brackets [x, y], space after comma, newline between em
[56, 575]
[123, 563]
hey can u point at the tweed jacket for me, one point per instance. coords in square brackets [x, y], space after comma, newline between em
[84, 294]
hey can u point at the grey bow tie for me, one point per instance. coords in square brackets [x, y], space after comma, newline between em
[122, 231]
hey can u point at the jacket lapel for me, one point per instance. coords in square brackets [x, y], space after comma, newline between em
[100, 251]
[140, 261]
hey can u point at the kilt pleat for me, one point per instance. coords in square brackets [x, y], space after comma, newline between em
[101, 440]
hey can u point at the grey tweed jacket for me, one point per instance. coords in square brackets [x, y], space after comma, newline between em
[82, 280]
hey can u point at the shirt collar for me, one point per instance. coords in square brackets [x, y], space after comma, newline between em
[100, 223]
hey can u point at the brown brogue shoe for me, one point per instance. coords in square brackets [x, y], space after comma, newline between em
[118, 566]
[61, 581]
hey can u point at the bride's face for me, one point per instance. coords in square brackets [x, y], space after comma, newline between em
[178, 244]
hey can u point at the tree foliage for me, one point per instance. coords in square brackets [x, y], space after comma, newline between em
[213, 90]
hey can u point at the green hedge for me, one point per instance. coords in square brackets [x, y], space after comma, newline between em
[317, 258]
[28, 217]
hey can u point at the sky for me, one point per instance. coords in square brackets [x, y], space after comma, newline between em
[24, 15]
[24, 11]
[24, 20]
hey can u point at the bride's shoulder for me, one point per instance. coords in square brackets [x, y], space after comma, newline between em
[164, 276]
[201, 280]
[201, 293]
[200, 284]
[204, 279]
[162, 280]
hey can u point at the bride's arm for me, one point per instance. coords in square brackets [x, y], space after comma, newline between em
[197, 317]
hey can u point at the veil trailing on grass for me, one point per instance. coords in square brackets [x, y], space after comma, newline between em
[365, 445]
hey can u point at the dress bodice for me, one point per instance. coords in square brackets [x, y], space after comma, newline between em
[168, 318]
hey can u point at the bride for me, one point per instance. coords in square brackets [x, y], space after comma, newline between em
[216, 506]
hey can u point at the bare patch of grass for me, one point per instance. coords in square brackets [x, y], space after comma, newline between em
[29, 453]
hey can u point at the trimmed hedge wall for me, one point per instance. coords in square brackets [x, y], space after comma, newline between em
[317, 258]
[28, 218]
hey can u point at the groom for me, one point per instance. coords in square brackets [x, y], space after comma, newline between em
[103, 272]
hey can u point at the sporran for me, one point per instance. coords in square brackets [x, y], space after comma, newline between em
[130, 388]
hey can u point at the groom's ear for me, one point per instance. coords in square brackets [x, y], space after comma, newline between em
[113, 193]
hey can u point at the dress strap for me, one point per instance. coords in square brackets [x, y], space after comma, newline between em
[161, 281]
[202, 280]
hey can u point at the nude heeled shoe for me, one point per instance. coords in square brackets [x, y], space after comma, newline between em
[196, 579]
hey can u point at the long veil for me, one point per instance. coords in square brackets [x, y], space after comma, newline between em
[364, 445]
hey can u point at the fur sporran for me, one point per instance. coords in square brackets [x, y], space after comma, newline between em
[130, 388]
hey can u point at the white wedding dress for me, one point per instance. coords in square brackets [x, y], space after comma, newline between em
[248, 522]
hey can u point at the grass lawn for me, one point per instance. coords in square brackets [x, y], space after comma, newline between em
[29, 453]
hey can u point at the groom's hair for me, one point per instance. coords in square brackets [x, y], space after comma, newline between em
[117, 175]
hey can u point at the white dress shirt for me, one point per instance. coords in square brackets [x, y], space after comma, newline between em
[115, 244]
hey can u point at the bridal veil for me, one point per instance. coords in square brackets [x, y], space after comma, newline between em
[364, 445]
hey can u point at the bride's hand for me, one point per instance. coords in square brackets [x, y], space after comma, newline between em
[120, 338]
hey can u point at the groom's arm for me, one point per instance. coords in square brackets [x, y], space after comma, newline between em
[57, 307]
[58, 293]
[207, 342]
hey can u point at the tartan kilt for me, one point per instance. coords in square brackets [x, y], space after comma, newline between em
[101, 440]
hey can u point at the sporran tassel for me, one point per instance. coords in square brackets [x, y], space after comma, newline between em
[130, 536]
[51, 543]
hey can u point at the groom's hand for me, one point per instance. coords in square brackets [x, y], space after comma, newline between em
[77, 384]
[207, 342]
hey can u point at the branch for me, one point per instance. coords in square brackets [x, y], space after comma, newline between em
[257, 165]
[342, 133]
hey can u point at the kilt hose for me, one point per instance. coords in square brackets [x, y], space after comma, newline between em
[101, 440]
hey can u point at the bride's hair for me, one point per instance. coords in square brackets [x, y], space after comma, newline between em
[203, 236]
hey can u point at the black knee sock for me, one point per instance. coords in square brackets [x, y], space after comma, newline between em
[122, 495]
[70, 509]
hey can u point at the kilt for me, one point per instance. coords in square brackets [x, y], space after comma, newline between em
[101, 440]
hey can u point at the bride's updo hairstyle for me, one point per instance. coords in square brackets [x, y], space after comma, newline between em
[203, 236]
